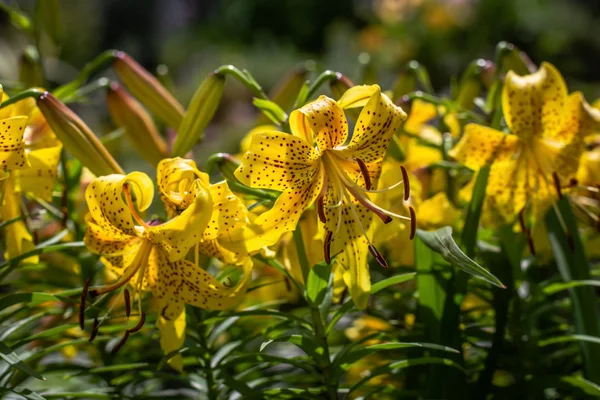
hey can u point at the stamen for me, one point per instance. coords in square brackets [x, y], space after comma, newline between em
[121, 343]
[413, 222]
[522, 221]
[134, 213]
[406, 182]
[84, 294]
[557, 184]
[320, 210]
[327, 247]
[139, 325]
[94, 330]
[378, 256]
[127, 302]
[288, 286]
[228, 283]
[365, 173]
[530, 243]
[162, 313]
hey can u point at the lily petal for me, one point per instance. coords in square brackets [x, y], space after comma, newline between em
[172, 337]
[40, 177]
[12, 151]
[323, 121]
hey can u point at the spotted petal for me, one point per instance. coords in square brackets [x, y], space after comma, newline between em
[17, 236]
[377, 123]
[533, 104]
[105, 201]
[481, 145]
[278, 161]
[12, 143]
[322, 121]
[40, 177]
[178, 183]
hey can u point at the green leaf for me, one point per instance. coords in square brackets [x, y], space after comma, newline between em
[577, 381]
[17, 18]
[271, 110]
[307, 345]
[397, 366]
[393, 280]
[8, 355]
[27, 393]
[47, 14]
[554, 288]
[569, 338]
[41, 250]
[573, 265]
[32, 299]
[441, 242]
[318, 282]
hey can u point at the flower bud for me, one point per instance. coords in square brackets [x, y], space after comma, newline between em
[148, 89]
[471, 83]
[140, 130]
[199, 113]
[286, 91]
[77, 137]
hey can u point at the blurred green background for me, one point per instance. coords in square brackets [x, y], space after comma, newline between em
[270, 37]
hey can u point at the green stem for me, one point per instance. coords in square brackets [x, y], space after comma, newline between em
[244, 77]
[91, 87]
[23, 95]
[302, 258]
[90, 69]
[325, 77]
[211, 383]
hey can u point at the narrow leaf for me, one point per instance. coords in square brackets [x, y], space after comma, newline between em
[8, 355]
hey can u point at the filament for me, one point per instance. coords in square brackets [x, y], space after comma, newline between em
[129, 201]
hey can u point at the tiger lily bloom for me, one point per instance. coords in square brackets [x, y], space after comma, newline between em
[149, 256]
[30, 158]
[314, 164]
[541, 154]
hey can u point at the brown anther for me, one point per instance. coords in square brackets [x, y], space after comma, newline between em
[406, 182]
[321, 209]
[94, 293]
[228, 283]
[64, 206]
[139, 324]
[573, 182]
[84, 294]
[327, 247]
[557, 184]
[378, 256]
[288, 285]
[94, 330]
[127, 302]
[365, 173]
[162, 313]
[121, 343]
[413, 222]
[530, 243]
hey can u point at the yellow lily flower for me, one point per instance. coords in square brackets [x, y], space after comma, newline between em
[314, 164]
[31, 156]
[149, 256]
[547, 126]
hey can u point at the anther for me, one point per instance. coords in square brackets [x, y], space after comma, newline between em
[94, 330]
[327, 247]
[228, 283]
[557, 184]
[84, 294]
[288, 285]
[139, 324]
[121, 343]
[365, 173]
[413, 222]
[162, 313]
[406, 182]
[127, 302]
[378, 256]
[321, 209]
[522, 221]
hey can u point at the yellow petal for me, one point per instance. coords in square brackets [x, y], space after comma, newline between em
[437, 212]
[39, 178]
[278, 161]
[229, 212]
[533, 104]
[322, 121]
[12, 143]
[179, 181]
[178, 235]
[101, 241]
[183, 282]
[481, 145]
[172, 337]
[377, 123]
[247, 140]
[357, 96]
[105, 201]
[420, 113]
[18, 240]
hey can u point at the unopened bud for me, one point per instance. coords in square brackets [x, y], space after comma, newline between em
[286, 91]
[140, 130]
[471, 83]
[77, 137]
[226, 163]
[198, 114]
[143, 85]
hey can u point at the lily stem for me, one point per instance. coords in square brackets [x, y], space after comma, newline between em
[211, 383]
